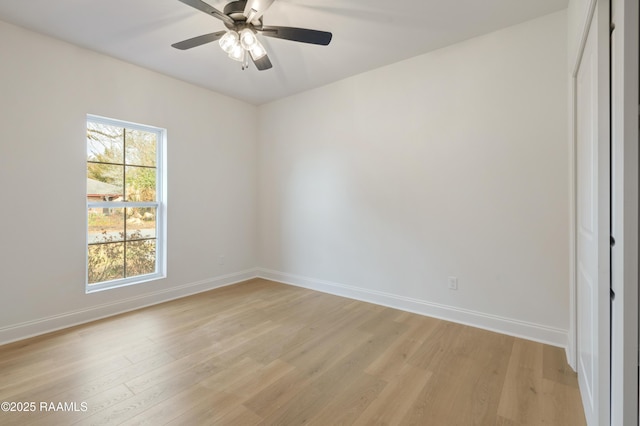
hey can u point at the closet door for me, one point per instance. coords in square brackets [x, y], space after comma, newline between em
[593, 218]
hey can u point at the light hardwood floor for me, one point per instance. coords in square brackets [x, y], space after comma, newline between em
[260, 352]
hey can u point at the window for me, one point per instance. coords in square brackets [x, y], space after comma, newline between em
[125, 211]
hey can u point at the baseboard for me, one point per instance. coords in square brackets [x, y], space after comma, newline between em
[40, 326]
[570, 353]
[512, 327]
[526, 330]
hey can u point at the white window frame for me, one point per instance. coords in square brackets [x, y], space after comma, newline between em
[159, 204]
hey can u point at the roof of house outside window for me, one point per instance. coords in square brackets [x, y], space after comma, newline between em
[96, 188]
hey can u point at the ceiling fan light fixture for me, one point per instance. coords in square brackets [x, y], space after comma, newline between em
[237, 53]
[248, 38]
[229, 41]
[257, 51]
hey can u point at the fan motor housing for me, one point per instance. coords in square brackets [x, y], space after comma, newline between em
[235, 10]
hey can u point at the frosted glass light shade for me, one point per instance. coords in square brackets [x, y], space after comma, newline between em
[257, 51]
[247, 38]
[229, 41]
[237, 53]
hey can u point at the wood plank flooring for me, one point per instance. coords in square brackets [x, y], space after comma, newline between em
[264, 353]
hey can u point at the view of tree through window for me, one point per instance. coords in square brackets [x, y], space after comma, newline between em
[122, 201]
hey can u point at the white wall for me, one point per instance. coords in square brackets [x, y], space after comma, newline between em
[453, 163]
[47, 87]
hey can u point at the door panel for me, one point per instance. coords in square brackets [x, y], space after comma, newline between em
[587, 248]
[592, 221]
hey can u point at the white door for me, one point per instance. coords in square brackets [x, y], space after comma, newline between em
[592, 219]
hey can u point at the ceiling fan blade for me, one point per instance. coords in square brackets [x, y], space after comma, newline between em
[198, 41]
[302, 35]
[208, 9]
[263, 63]
[254, 9]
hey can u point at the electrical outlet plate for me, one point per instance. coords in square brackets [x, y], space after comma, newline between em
[453, 283]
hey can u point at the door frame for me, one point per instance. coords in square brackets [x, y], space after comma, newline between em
[625, 182]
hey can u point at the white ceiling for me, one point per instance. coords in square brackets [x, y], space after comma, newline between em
[366, 34]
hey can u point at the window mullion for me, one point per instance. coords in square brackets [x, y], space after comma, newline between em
[126, 196]
[122, 205]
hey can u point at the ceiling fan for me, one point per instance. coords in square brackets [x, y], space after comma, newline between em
[243, 19]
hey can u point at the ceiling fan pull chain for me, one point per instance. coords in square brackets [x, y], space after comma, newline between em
[245, 61]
